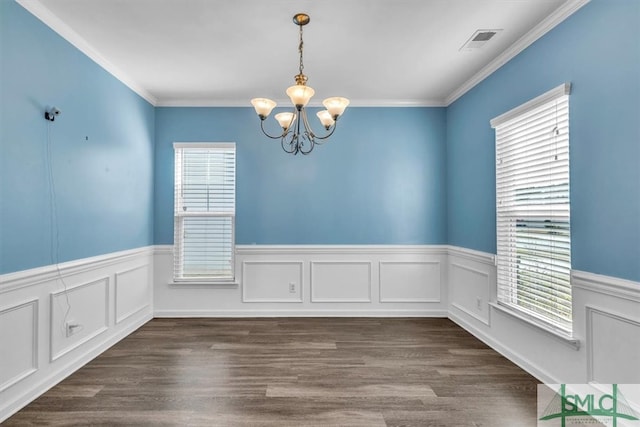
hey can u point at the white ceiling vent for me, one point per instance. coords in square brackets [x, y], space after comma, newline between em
[479, 39]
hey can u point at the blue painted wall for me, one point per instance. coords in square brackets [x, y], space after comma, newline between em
[388, 176]
[103, 186]
[598, 51]
[380, 179]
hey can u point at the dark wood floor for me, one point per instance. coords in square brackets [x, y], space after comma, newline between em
[293, 372]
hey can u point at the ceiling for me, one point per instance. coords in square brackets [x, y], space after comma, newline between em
[225, 52]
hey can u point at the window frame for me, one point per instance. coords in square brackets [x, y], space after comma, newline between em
[179, 217]
[504, 262]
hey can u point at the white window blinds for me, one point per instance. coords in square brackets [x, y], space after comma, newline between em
[204, 214]
[533, 209]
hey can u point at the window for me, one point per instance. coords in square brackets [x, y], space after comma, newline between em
[533, 210]
[204, 213]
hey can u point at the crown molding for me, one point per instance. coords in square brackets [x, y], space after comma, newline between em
[185, 102]
[550, 22]
[41, 12]
[36, 8]
[398, 103]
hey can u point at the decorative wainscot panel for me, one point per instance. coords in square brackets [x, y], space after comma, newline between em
[272, 281]
[472, 291]
[18, 342]
[132, 290]
[613, 343]
[607, 315]
[341, 281]
[410, 281]
[89, 318]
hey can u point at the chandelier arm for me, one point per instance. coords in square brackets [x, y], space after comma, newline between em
[292, 142]
[284, 134]
[307, 127]
[284, 145]
[308, 134]
[302, 133]
[311, 145]
[319, 139]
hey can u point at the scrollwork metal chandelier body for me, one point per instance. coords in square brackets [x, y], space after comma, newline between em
[297, 135]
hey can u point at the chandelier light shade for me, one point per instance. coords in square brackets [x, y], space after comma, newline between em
[297, 135]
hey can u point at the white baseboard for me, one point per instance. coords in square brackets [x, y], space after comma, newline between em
[504, 350]
[18, 402]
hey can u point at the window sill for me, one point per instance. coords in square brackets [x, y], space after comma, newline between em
[201, 285]
[564, 338]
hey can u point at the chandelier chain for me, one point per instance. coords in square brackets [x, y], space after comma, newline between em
[300, 47]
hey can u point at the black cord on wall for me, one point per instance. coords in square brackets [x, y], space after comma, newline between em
[54, 226]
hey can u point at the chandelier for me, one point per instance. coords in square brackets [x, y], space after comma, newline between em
[297, 135]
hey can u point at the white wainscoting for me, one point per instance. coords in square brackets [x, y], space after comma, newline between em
[606, 321]
[112, 295]
[327, 281]
[35, 305]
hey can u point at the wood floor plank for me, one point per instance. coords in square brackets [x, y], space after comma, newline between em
[292, 372]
